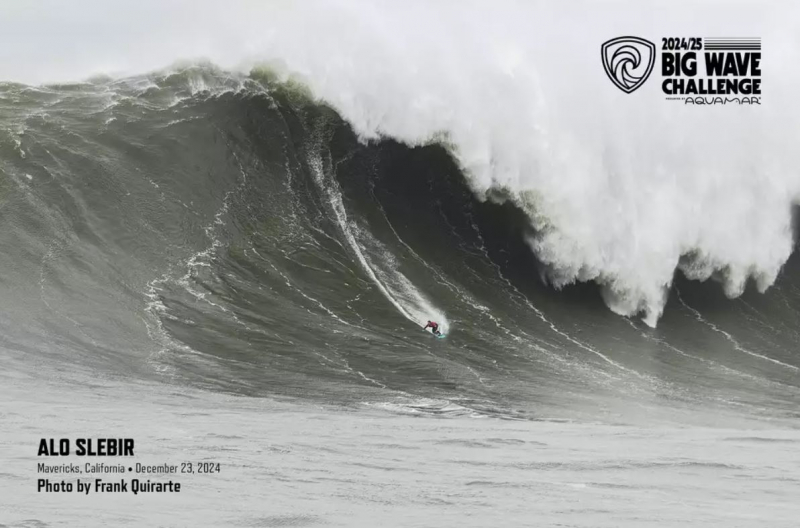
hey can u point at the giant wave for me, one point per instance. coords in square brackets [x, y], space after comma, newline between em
[623, 191]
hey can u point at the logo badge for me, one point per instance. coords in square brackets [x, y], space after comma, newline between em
[628, 61]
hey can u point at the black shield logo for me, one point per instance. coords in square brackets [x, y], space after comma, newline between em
[628, 61]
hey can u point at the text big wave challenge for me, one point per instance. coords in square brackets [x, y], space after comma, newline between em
[730, 67]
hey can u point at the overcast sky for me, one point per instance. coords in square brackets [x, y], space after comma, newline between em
[51, 40]
[47, 40]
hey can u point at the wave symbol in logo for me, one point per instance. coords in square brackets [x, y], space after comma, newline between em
[628, 61]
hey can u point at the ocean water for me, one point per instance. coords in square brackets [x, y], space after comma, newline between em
[288, 464]
[235, 264]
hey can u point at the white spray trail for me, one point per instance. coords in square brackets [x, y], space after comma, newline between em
[383, 272]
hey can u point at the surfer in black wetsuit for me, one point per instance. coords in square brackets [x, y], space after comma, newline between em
[434, 326]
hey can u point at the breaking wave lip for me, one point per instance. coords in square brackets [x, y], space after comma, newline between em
[615, 192]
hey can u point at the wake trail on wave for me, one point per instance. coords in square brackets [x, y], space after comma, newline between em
[441, 278]
[376, 261]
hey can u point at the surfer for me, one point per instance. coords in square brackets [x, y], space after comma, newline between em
[434, 326]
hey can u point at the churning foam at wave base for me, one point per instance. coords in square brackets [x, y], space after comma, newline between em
[618, 187]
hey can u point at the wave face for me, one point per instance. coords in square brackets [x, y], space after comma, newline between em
[229, 231]
[622, 191]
